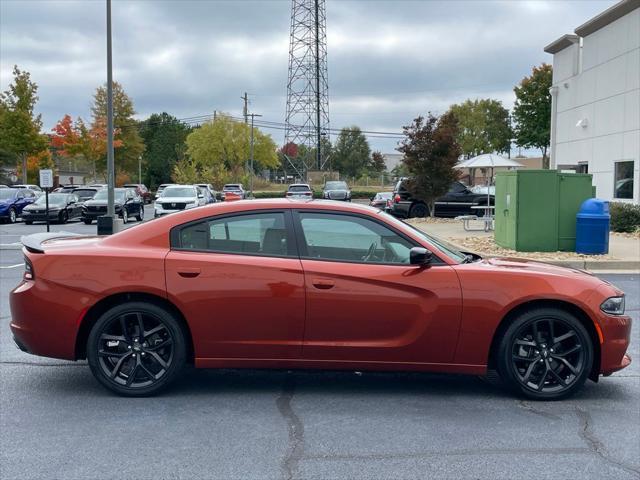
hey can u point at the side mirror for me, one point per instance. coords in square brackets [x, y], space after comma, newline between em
[420, 256]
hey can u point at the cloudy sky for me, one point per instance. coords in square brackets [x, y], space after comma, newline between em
[388, 60]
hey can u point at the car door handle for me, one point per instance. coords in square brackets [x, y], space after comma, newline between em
[189, 272]
[323, 284]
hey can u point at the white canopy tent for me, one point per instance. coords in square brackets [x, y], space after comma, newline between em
[489, 160]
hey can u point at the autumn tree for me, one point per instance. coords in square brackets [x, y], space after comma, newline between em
[164, 138]
[351, 154]
[19, 125]
[483, 127]
[125, 128]
[532, 111]
[377, 162]
[430, 153]
[220, 149]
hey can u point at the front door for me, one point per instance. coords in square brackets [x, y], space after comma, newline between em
[239, 282]
[365, 302]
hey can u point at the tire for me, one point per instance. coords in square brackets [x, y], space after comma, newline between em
[125, 215]
[140, 216]
[141, 364]
[418, 210]
[12, 216]
[63, 217]
[28, 222]
[545, 338]
[87, 221]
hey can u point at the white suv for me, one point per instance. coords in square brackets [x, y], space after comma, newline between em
[175, 198]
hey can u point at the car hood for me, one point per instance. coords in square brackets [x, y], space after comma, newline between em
[33, 206]
[8, 201]
[532, 266]
[177, 199]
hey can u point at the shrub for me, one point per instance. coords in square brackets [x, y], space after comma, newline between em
[625, 217]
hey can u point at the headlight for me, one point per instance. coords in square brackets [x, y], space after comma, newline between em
[613, 306]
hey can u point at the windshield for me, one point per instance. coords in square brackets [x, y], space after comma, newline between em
[336, 186]
[179, 192]
[102, 195]
[54, 198]
[383, 195]
[299, 188]
[231, 187]
[446, 247]
[85, 193]
[7, 193]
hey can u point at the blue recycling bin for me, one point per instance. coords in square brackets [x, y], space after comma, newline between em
[592, 227]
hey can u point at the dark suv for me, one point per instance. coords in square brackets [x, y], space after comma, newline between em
[457, 201]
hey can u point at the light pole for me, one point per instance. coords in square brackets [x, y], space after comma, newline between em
[140, 169]
[107, 224]
[253, 115]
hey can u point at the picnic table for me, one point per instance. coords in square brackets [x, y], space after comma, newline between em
[487, 218]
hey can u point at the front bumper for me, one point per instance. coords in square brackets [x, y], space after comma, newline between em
[39, 217]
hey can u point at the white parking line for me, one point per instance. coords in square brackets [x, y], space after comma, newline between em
[10, 244]
[12, 266]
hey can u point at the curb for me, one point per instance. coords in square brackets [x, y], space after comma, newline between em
[591, 265]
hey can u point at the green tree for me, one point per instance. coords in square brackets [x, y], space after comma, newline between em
[164, 139]
[430, 153]
[20, 134]
[220, 149]
[532, 111]
[483, 127]
[377, 162]
[351, 153]
[125, 129]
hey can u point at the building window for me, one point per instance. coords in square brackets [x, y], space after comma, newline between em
[623, 187]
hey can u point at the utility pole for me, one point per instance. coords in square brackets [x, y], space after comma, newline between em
[318, 104]
[108, 223]
[253, 115]
[244, 108]
[140, 169]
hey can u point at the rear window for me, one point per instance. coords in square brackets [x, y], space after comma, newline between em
[299, 188]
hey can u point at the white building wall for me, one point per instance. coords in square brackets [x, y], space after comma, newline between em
[600, 82]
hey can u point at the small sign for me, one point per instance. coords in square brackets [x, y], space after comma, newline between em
[46, 178]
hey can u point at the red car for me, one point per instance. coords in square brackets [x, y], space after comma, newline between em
[309, 284]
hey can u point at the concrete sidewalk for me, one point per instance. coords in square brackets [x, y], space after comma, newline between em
[624, 251]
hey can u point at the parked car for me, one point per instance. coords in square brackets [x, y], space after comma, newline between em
[336, 190]
[62, 208]
[381, 199]
[299, 190]
[67, 188]
[85, 193]
[13, 201]
[161, 187]
[233, 191]
[98, 185]
[400, 300]
[175, 198]
[34, 188]
[142, 191]
[206, 195]
[211, 190]
[457, 201]
[127, 204]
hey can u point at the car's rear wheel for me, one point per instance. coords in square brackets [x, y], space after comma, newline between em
[419, 210]
[87, 221]
[12, 215]
[545, 354]
[28, 222]
[63, 217]
[136, 349]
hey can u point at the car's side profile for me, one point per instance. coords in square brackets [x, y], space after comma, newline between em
[309, 284]
[62, 208]
[13, 201]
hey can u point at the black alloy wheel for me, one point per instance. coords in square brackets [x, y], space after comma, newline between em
[64, 216]
[140, 216]
[419, 210]
[125, 215]
[136, 349]
[546, 354]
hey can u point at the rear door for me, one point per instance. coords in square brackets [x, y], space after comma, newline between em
[239, 282]
[365, 302]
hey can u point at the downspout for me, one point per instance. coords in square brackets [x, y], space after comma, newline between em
[552, 140]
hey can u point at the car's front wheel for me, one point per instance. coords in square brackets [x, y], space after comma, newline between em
[136, 349]
[140, 216]
[13, 216]
[545, 354]
[87, 221]
[125, 215]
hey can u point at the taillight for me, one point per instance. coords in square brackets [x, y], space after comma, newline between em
[29, 274]
[396, 199]
[308, 194]
[288, 194]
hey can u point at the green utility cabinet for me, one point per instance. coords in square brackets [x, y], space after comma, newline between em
[536, 209]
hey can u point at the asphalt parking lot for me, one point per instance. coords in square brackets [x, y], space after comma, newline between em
[57, 422]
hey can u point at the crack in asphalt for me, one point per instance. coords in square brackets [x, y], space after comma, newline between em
[595, 445]
[294, 427]
[530, 408]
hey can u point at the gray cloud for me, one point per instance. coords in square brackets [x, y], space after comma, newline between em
[388, 60]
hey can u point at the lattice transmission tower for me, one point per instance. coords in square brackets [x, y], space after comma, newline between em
[307, 120]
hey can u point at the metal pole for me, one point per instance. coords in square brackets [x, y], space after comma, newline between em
[251, 160]
[140, 169]
[111, 178]
[46, 190]
[318, 154]
[24, 169]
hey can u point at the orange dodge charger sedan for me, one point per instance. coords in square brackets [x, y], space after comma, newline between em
[309, 284]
